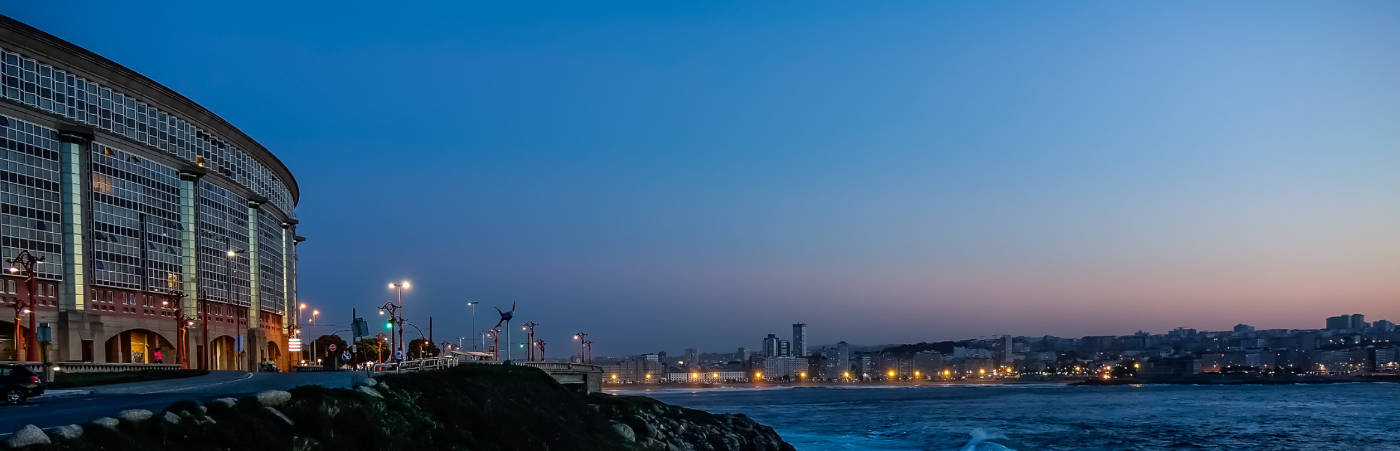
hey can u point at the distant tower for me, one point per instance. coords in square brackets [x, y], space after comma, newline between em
[784, 348]
[1008, 349]
[799, 339]
[770, 345]
[843, 356]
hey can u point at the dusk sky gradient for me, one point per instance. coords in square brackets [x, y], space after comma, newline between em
[668, 175]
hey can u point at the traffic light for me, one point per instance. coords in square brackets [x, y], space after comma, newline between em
[389, 325]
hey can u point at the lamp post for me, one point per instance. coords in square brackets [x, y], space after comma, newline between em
[399, 286]
[473, 304]
[540, 343]
[582, 338]
[300, 308]
[315, 313]
[182, 324]
[529, 328]
[495, 343]
[228, 276]
[24, 262]
[395, 322]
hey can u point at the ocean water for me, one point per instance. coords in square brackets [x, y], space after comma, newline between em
[1054, 416]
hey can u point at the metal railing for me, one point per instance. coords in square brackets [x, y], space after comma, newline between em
[91, 367]
[552, 367]
[428, 364]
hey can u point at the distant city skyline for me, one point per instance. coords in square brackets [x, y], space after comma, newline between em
[664, 175]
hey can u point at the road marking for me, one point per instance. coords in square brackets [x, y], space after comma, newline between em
[245, 377]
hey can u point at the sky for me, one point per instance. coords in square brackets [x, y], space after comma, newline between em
[666, 175]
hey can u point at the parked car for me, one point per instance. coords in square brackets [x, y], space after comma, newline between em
[17, 384]
[268, 367]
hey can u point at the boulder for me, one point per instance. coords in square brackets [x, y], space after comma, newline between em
[106, 422]
[224, 402]
[624, 431]
[135, 415]
[67, 432]
[171, 417]
[274, 398]
[28, 436]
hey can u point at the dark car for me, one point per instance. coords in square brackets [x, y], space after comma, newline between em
[17, 384]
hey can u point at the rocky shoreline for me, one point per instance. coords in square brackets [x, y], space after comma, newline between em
[477, 407]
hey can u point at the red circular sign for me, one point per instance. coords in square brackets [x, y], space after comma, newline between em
[332, 347]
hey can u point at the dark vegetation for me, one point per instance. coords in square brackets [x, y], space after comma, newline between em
[477, 407]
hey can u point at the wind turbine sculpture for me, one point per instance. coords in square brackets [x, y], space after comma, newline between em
[505, 318]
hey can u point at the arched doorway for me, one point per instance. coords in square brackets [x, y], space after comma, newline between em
[223, 355]
[138, 346]
[274, 353]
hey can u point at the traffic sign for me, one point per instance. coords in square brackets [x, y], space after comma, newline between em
[332, 347]
[345, 356]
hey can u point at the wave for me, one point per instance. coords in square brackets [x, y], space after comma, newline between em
[980, 440]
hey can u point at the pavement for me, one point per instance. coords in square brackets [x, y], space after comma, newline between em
[61, 407]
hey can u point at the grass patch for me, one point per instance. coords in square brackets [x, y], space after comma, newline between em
[70, 380]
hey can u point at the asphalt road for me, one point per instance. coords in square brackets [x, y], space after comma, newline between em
[106, 400]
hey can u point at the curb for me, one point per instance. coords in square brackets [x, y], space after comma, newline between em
[50, 394]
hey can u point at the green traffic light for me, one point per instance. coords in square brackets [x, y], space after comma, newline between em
[388, 324]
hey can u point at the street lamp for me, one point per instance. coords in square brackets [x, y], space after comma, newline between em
[228, 277]
[582, 343]
[398, 286]
[473, 304]
[529, 327]
[26, 261]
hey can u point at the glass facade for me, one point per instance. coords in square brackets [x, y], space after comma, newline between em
[54, 90]
[223, 226]
[270, 261]
[30, 195]
[135, 221]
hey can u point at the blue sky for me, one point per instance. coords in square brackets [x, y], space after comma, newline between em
[699, 175]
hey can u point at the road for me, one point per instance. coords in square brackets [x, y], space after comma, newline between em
[107, 400]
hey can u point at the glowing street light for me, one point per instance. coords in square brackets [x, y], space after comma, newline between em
[397, 344]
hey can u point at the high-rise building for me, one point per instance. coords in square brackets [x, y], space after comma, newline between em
[770, 345]
[743, 354]
[1358, 322]
[799, 339]
[843, 356]
[784, 348]
[1355, 321]
[1008, 349]
[148, 212]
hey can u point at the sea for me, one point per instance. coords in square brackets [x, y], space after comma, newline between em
[1344, 416]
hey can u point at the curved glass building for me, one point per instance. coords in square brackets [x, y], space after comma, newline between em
[155, 226]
